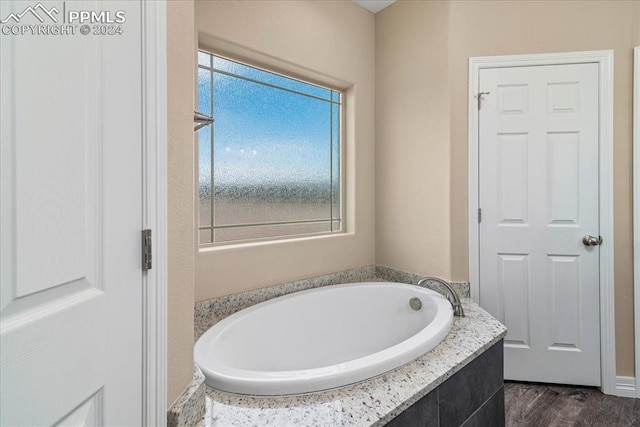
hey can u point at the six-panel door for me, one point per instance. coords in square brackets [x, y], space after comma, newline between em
[538, 191]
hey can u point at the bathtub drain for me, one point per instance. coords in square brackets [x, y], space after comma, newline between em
[415, 303]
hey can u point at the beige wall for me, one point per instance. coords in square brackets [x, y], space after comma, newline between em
[636, 23]
[421, 52]
[181, 254]
[412, 138]
[336, 40]
[483, 28]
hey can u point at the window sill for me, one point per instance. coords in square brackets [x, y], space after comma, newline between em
[215, 247]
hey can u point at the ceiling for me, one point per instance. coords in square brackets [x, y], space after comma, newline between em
[374, 6]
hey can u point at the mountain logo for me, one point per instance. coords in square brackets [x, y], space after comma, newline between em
[38, 11]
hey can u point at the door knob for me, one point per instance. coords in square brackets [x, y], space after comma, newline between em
[589, 240]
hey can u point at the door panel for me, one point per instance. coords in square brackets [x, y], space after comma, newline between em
[565, 302]
[563, 177]
[538, 193]
[71, 204]
[50, 205]
[512, 179]
[513, 277]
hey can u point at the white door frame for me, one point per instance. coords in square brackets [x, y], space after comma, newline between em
[604, 59]
[636, 209]
[154, 146]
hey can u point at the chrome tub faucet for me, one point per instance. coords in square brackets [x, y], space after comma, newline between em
[454, 300]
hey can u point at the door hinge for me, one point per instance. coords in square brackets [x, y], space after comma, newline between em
[479, 215]
[146, 250]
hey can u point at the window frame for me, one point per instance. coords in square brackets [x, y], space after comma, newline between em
[341, 218]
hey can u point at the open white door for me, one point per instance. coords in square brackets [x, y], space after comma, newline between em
[539, 199]
[71, 203]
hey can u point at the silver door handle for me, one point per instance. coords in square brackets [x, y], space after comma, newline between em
[589, 240]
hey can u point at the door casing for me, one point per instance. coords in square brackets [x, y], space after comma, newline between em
[636, 212]
[154, 204]
[604, 59]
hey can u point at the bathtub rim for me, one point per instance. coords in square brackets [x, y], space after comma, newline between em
[224, 377]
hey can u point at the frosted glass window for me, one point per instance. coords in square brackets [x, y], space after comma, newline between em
[269, 165]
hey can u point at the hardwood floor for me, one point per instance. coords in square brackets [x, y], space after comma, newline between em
[528, 404]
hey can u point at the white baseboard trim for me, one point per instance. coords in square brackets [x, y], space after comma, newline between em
[626, 387]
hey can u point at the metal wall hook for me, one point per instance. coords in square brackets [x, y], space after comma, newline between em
[200, 120]
[479, 95]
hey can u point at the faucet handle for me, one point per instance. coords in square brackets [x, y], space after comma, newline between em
[454, 300]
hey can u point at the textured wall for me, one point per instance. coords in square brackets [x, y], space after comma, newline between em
[482, 28]
[330, 42]
[496, 28]
[421, 54]
[181, 253]
[412, 138]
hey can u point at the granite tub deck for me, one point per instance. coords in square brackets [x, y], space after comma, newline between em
[373, 402]
[208, 312]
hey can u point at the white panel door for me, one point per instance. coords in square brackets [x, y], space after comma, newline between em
[71, 205]
[538, 192]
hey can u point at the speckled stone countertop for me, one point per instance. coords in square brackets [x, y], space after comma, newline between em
[373, 402]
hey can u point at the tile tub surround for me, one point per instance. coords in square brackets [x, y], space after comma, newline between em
[189, 407]
[209, 312]
[373, 402]
[474, 396]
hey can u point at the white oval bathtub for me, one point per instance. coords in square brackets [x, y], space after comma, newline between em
[321, 338]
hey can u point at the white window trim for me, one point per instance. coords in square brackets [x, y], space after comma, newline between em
[604, 59]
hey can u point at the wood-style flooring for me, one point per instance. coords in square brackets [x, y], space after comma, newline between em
[533, 405]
